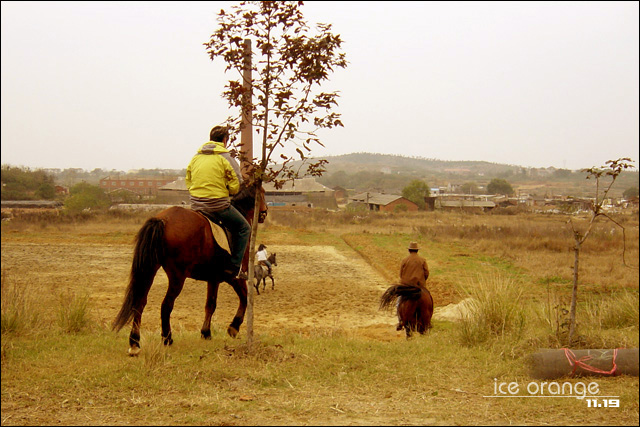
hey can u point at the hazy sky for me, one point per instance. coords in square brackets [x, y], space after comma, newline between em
[128, 85]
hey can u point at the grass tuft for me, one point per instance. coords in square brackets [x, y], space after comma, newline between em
[154, 352]
[614, 312]
[73, 312]
[494, 311]
[19, 309]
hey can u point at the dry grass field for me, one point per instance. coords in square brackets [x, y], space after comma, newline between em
[324, 353]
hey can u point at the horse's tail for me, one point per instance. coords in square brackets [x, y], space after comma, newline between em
[394, 291]
[147, 258]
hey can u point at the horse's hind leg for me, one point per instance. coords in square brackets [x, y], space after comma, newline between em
[240, 286]
[134, 335]
[175, 287]
[407, 330]
[209, 309]
[137, 308]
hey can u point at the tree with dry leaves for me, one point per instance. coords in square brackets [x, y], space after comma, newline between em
[605, 176]
[287, 107]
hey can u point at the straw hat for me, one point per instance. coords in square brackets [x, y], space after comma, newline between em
[413, 246]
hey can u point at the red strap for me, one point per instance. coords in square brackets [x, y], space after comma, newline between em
[571, 357]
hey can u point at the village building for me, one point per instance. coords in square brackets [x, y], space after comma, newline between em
[305, 192]
[341, 194]
[464, 202]
[380, 202]
[174, 192]
[143, 186]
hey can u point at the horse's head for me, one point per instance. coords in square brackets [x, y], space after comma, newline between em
[245, 201]
[262, 214]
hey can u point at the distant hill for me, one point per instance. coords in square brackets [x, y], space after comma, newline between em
[355, 162]
[390, 173]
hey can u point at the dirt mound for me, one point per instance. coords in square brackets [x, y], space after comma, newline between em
[453, 312]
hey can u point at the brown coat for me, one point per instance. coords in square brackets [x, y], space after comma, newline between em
[414, 270]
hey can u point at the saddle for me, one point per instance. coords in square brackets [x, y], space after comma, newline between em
[220, 234]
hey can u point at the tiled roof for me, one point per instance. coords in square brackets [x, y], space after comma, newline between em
[304, 185]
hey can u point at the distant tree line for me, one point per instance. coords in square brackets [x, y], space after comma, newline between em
[19, 183]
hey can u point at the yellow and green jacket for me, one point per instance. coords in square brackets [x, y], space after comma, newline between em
[213, 173]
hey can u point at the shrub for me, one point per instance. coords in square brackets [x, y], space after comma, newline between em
[86, 196]
[495, 310]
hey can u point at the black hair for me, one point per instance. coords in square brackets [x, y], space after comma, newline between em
[218, 133]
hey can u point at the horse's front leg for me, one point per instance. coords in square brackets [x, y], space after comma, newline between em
[209, 309]
[273, 283]
[175, 287]
[240, 286]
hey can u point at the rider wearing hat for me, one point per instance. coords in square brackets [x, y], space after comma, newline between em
[414, 270]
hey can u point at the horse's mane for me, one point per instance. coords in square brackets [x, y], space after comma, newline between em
[244, 199]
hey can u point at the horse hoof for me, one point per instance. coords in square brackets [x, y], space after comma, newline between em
[233, 332]
[205, 335]
[134, 351]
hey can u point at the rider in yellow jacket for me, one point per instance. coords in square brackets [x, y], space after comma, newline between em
[212, 177]
[212, 172]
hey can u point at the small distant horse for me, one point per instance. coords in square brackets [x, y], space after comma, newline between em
[415, 307]
[181, 242]
[261, 272]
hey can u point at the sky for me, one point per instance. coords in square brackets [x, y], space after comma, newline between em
[129, 85]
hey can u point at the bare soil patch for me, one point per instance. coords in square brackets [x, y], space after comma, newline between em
[315, 287]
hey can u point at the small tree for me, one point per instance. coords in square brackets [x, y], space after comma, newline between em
[469, 188]
[46, 191]
[630, 192]
[500, 186]
[291, 65]
[86, 196]
[610, 171]
[416, 191]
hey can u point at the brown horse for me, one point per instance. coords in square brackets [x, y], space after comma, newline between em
[181, 242]
[415, 307]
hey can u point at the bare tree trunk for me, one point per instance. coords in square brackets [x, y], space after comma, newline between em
[246, 127]
[247, 153]
[251, 272]
[574, 295]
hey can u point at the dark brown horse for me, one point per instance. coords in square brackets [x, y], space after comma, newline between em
[415, 307]
[181, 242]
